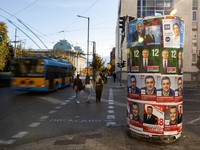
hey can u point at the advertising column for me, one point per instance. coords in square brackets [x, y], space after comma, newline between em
[155, 76]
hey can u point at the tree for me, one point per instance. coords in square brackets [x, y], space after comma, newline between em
[198, 72]
[4, 51]
[66, 58]
[98, 63]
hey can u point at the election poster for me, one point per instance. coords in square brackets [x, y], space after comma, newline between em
[126, 35]
[168, 63]
[171, 33]
[135, 54]
[153, 31]
[136, 116]
[180, 62]
[148, 87]
[136, 33]
[165, 89]
[182, 33]
[133, 88]
[150, 58]
[179, 88]
[153, 119]
[129, 60]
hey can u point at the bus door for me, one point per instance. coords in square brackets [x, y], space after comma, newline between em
[50, 76]
[63, 76]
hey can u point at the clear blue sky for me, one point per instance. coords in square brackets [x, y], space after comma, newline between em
[47, 18]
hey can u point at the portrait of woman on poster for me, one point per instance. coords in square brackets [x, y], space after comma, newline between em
[175, 42]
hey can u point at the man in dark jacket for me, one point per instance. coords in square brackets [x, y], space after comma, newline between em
[77, 86]
[149, 117]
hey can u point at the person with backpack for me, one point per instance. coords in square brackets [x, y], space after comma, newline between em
[88, 88]
[99, 87]
[77, 86]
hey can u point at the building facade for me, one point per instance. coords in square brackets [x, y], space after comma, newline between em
[188, 10]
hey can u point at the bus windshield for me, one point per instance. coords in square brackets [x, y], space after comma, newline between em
[28, 68]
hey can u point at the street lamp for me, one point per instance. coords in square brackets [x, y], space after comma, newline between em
[87, 39]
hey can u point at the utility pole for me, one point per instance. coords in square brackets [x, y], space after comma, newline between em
[94, 59]
[15, 42]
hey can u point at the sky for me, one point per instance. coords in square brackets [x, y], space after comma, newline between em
[55, 20]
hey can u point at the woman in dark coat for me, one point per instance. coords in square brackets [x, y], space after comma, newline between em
[99, 87]
[77, 86]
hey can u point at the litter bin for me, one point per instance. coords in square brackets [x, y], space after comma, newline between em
[155, 77]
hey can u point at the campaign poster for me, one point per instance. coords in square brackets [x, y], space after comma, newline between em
[135, 54]
[171, 33]
[148, 87]
[153, 119]
[136, 116]
[133, 88]
[127, 35]
[128, 59]
[180, 117]
[180, 62]
[165, 89]
[168, 63]
[171, 119]
[128, 113]
[153, 31]
[150, 59]
[136, 33]
[179, 88]
[182, 33]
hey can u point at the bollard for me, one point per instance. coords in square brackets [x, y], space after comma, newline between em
[155, 77]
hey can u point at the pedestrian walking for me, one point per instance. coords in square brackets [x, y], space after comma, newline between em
[106, 77]
[77, 86]
[99, 87]
[88, 88]
[114, 76]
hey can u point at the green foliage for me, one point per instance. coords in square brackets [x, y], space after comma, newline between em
[98, 63]
[65, 57]
[4, 50]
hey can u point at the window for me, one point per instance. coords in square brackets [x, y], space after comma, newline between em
[194, 18]
[195, 5]
[194, 58]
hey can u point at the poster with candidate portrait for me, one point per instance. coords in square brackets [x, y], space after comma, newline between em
[128, 60]
[165, 89]
[136, 116]
[150, 58]
[153, 119]
[136, 33]
[153, 31]
[179, 88]
[148, 87]
[180, 61]
[171, 119]
[133, 89]
[168, 63]
[171, 33]
[182, 33]
[135, 54]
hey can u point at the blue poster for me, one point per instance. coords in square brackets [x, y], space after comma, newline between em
[153, 35]
[182, 36]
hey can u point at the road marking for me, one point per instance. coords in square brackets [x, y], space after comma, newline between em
[111, 111]
[44, 117]
[7, 142]
[52, 111]
[111, 103]
[67, 101]
[34, 124]
[58, 107]
[110, 100]
[110, 116]
[63, 103]
[51, 100]
[111, 107]
[20, 134]
[195, 120]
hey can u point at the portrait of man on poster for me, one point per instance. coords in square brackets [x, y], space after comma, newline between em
[175, 42]
[173, 115]
[149, 85]
[179, 89]
[165, 62]
[166, 87]
[133, 88]
[139, 33]
[149, 37]
[180, 114]
[135, 111]
[149, 117]
[145, 61]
